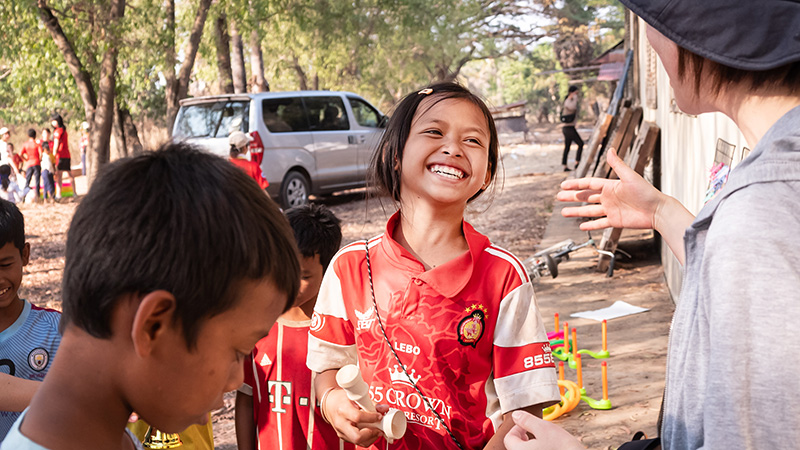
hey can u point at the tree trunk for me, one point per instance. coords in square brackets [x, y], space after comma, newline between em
[82, 78]
[224, 55]
[178, 87]
[100, 137]
[171, 88]
[237, 61]
[259, 81]
[133, 145]
[120, 147]
[301, 75]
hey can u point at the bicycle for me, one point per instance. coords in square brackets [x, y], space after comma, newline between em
[546, 261]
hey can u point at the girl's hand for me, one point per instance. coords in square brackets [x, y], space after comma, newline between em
[344, 415]
[630, 202]
[545, 434]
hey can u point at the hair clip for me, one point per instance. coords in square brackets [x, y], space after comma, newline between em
[425, 91]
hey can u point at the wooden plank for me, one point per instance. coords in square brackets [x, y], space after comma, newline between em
[637, 159]
[615, 140]
[598, 134]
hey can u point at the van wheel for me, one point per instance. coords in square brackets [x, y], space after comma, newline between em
[294, 190]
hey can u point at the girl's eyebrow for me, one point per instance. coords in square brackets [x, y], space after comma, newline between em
[470, 129]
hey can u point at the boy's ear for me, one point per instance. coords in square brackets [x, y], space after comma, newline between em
[151, 320]
[26, 254]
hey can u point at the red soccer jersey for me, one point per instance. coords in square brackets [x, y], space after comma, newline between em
[284, 402]
[252, 169]
[31, 153]
[62, 152]
[468, 331]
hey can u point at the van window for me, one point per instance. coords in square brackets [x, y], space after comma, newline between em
[326, 113]
[364, 113]
[283, 115]
[216, 119]
[235, 117]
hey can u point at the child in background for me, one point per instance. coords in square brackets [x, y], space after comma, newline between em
[451, 334]
[29, 335]
[147, 327]
[276, 405]
[60, 149]
[83, 144]
[48, 167]
[32, 155]
[238, 142]
[9, 189]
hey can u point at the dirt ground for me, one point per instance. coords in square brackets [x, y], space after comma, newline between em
[518, 219]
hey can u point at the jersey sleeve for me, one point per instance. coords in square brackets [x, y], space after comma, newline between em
[331, 340]
[524, 368]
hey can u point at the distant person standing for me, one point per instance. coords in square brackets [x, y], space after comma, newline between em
[569, 115]
[32, 156]
[238, 142]
[61, 152]
[84, 145]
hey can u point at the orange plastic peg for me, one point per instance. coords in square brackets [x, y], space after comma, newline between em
[604, 373]
[574, 343]
[579, 369]
[555, 319]
[604, 332]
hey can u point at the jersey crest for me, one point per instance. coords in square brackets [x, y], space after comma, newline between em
[38, 359]
[471, 327]
[317, 322]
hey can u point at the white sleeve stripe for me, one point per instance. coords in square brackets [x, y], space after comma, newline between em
[504, 254]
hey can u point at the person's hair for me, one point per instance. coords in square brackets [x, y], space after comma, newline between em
[382, 174]
[175, 219]
[317, 231]
[233, 152]
[31, 133]
[572, 89]
[58, 119]
[784, 78]
[5, 173]
[12, 225]
[46, 129]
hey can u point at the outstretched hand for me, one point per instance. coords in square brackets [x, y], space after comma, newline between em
[630, 202]
[546, 435]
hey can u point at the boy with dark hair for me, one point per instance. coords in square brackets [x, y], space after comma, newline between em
[164, 291]
[28, 334]
[277, 405]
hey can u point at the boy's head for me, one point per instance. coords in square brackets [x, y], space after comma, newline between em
[31, 133]
[179, 257]
[14, 254]
[46, 134]
[318, 233]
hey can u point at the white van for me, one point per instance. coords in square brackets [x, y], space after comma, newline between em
[307, 142]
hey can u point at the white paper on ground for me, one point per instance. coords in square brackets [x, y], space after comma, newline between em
[618, 309]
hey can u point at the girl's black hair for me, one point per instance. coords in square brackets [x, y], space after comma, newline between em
[5, 172]
[58, 119]
[382, 174]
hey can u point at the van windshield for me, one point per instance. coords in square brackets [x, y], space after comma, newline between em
[217, 119]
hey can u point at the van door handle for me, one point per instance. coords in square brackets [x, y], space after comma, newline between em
[356, 139]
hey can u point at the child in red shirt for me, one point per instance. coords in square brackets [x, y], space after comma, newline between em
[443, 324]
[277, 404]
[32, 156]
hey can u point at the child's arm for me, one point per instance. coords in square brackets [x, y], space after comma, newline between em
[245, 423]
[343, 414]
[16, 393]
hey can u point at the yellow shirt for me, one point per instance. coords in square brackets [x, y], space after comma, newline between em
[196, 437]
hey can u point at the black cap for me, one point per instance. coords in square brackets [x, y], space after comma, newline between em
[743, 34]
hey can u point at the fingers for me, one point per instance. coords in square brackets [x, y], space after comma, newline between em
[382, 409]
[595, 184]
[544, 434]
[591, 210]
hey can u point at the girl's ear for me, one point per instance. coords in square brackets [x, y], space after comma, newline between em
[151, 321]
[488, 179]
[396, 165]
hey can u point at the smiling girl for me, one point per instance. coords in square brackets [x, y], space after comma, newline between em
[443, 324]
